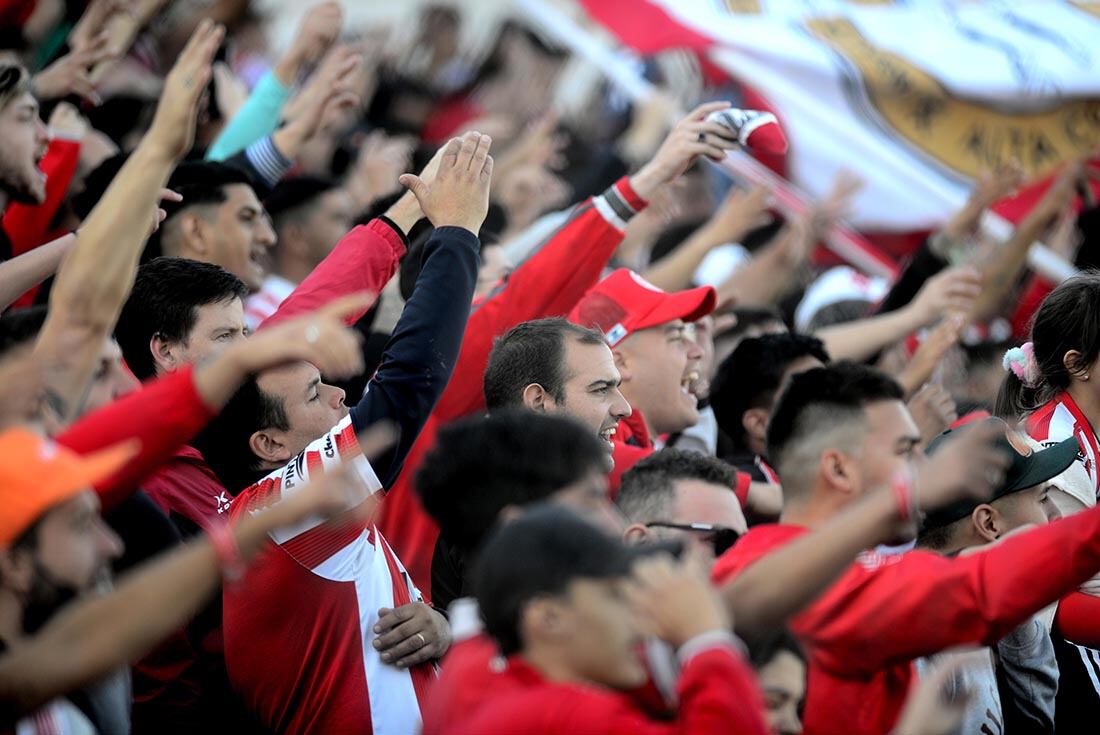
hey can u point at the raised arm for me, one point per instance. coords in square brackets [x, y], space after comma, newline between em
[260, 114]
[1003, 267]
[96, 277]
[737, 215]
[777, 586]
[954, 290]
[95, 635]
[24, 272]
[552, 280]
[168, 412]
[421, 354]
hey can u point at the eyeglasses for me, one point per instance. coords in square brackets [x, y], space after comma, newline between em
[721, 537]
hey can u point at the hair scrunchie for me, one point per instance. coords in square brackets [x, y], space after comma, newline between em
[1021, 362]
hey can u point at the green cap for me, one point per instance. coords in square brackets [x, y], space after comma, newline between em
[1026, 470]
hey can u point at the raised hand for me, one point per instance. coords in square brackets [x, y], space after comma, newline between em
[969, 465]
[741, 212]
[690, 138]
[380, 161]
[319, 29]
[321, 338]
[71, 74]
[95, 19]
[459, 195]
[952, 290]
[993, 186]
[173, 130]
[328, 89]
[930, 353]
[933, 410]
[677, 599]
[67, 123]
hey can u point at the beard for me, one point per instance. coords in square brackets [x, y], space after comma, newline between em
[48, 594]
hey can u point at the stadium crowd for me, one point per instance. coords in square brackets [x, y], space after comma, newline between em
[347, 386]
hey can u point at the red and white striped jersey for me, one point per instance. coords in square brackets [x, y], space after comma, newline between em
[299, 625]
[267, 300]
[1057, 420]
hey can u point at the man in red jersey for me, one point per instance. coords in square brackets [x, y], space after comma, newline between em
[567, 603]
[836, 433]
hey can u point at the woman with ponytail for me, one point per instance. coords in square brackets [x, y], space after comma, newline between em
[1052, 385]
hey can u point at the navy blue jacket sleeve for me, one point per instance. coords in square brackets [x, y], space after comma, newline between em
[421, 354]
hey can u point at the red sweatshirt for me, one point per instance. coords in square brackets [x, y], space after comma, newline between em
[27, 224]
[717, 691]
[549, 283]
[863, 633]
[163, 415]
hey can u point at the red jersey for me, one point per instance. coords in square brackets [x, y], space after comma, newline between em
[717, 689]
[1057, 420]
[862, 634]
[312, 668]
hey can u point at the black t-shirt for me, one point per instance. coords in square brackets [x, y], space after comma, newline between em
[450, 575]
[1078, 698]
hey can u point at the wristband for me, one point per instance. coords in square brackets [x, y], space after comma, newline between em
[227, 551]
[904, 496]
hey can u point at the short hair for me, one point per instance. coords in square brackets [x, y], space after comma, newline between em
[839, 312]
[292, 196]
[532, 352]
[199, 183]
[822, 409]
[225, 441]
[419, 234]
[751, 375]
[20, 326]
[164, 300]
[648, 488]
[14, 81]
[939, 538]
[481, 465]
[539, 554]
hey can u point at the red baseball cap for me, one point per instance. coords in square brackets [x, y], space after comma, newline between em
[624, 303]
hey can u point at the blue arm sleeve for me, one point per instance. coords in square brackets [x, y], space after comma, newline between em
[258, 117]
[421, 354]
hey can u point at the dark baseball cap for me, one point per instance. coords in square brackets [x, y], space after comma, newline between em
[1028, 469]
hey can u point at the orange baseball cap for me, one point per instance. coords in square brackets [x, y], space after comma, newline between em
[39, 474]
[624, 303]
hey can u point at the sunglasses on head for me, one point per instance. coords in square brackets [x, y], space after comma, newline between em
[720, 537]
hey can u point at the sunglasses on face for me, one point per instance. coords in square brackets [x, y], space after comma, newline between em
[720, 537]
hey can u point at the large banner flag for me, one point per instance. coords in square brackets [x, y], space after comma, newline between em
[916, 97]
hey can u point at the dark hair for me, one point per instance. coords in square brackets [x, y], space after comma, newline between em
[199, 183]
[513, 457]
[293, 195]
[938, 538]
[20, 326]
[409, 270]
[816, 405]
[536, 555]
[164, 300]
[762, 652]
[749, 317]
[224, 443]
[1068, 319]
[532, 352]
[751, 375]
[96, 183]
[648, 487]
[839, 312]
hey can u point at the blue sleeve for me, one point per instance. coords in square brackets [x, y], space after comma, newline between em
[421, 354]
[258, 117]
[263, 162]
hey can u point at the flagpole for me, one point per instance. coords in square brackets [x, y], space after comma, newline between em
[841, 239]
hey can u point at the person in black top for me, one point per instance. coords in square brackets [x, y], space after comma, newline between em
[746, 386]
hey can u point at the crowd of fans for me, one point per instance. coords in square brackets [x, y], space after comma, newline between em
[347, 385]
